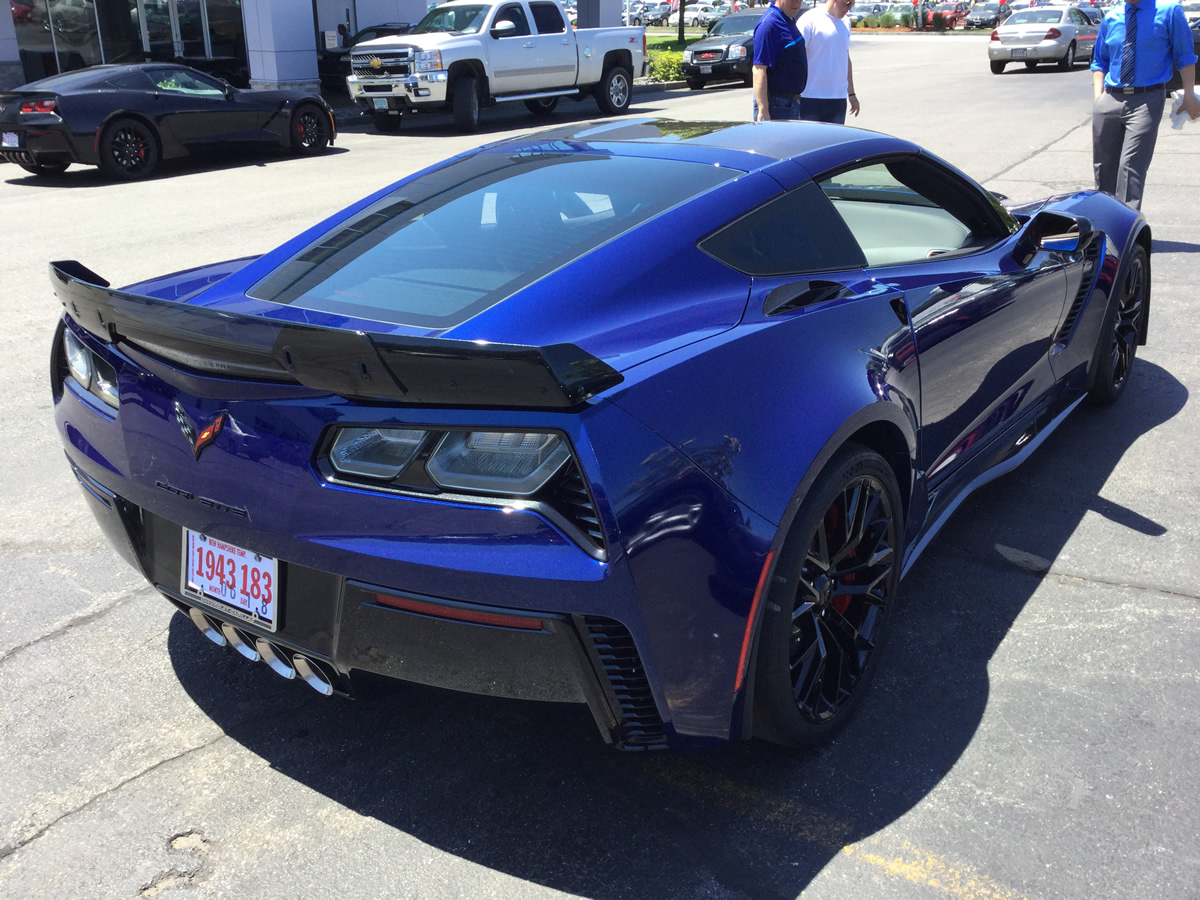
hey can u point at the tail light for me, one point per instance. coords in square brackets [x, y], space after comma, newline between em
[1052, 35]
[995, 34]
[39, 106]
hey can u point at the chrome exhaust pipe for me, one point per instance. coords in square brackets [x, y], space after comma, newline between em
[275, 657]
[240, 642]
[207, 626]
[312, 674]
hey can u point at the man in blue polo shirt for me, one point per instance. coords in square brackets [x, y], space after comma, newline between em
[780, 64]
[1139, 46]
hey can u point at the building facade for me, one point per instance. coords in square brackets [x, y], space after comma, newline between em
[263, 43]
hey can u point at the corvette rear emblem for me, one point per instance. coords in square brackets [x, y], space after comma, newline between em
[209, 434]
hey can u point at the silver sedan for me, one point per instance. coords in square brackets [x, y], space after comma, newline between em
[1058, 34]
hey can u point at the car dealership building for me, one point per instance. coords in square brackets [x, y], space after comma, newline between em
[274, 41]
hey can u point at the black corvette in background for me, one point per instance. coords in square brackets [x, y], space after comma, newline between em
[126, 118]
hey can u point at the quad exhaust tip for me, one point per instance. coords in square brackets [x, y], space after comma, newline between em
[312, 675]
[207, 627]
[254, 649]
[276, 658]
[241, 642]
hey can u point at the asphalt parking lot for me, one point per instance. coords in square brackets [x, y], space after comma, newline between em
[1033, 731]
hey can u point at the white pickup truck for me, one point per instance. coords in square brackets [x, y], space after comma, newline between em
[467, 54]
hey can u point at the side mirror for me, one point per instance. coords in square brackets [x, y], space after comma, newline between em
[505, 28]
[1054, 231]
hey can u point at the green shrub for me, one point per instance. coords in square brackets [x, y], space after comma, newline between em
[906, 20]
[666, 65]
[939, 22]
[887, 20]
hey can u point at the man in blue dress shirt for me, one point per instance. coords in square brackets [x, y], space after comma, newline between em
[1138, 49]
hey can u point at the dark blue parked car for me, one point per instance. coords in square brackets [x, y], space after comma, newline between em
[646, 415]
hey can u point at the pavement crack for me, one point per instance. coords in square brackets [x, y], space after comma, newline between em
[9, 849]
[1039, 150]
[73, 622]
[21, 844]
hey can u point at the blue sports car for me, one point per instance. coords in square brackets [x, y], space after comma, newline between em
[649, 415]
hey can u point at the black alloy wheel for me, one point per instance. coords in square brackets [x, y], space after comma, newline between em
[831, 600]
[44, 168]
[1121, 332]
[311, 129]
[128, 150]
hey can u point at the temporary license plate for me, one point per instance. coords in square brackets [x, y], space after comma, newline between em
[238, 582]
[9, 139]
[706, 70]
[1018, 53]
[380, 103]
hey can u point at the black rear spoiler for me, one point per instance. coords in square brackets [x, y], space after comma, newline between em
[352, 364]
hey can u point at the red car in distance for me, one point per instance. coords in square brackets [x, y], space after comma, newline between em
[954, 14]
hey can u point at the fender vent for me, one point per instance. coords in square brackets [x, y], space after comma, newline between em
[1087, 281]
[616, 659]
[570, 498]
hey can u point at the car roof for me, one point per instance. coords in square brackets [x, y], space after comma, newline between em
[746, 145]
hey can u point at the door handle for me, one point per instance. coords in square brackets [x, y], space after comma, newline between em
[528, 45]
[799, 294]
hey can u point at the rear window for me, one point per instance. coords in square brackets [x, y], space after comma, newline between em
[444, 247]
[1035, 17]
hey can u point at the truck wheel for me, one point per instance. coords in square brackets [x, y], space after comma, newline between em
[466, 104]
[695, 84]
[542, 106]
[386, 123]
[614, 91]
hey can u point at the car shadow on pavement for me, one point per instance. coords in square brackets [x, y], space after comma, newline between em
[531, 791]
[1175, 247]
[81, 176]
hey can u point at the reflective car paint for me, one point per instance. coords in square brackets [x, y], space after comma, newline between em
[696, 461]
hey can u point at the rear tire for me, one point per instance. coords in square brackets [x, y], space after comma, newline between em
[1067, 63]
[311, 129]
[43, 169]
[695, 84]
[387, 123]
[1031, 63]
[998, 67]
[542, 106]
[1121, 332]
[830, 603]
[466, 104]
[614, 91]
[128, 150]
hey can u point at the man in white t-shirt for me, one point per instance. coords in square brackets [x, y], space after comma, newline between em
[830, 74]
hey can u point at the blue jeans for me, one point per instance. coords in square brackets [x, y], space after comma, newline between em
[780, 108]
[817, 109]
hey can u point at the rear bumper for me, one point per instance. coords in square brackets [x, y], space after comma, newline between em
[1046, 50]
[348, 627]
[39, 146]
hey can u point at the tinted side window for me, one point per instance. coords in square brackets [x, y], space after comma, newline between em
[515, 14]
[798, 232]
[131, 81]
[908, 209]
[547, 18]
